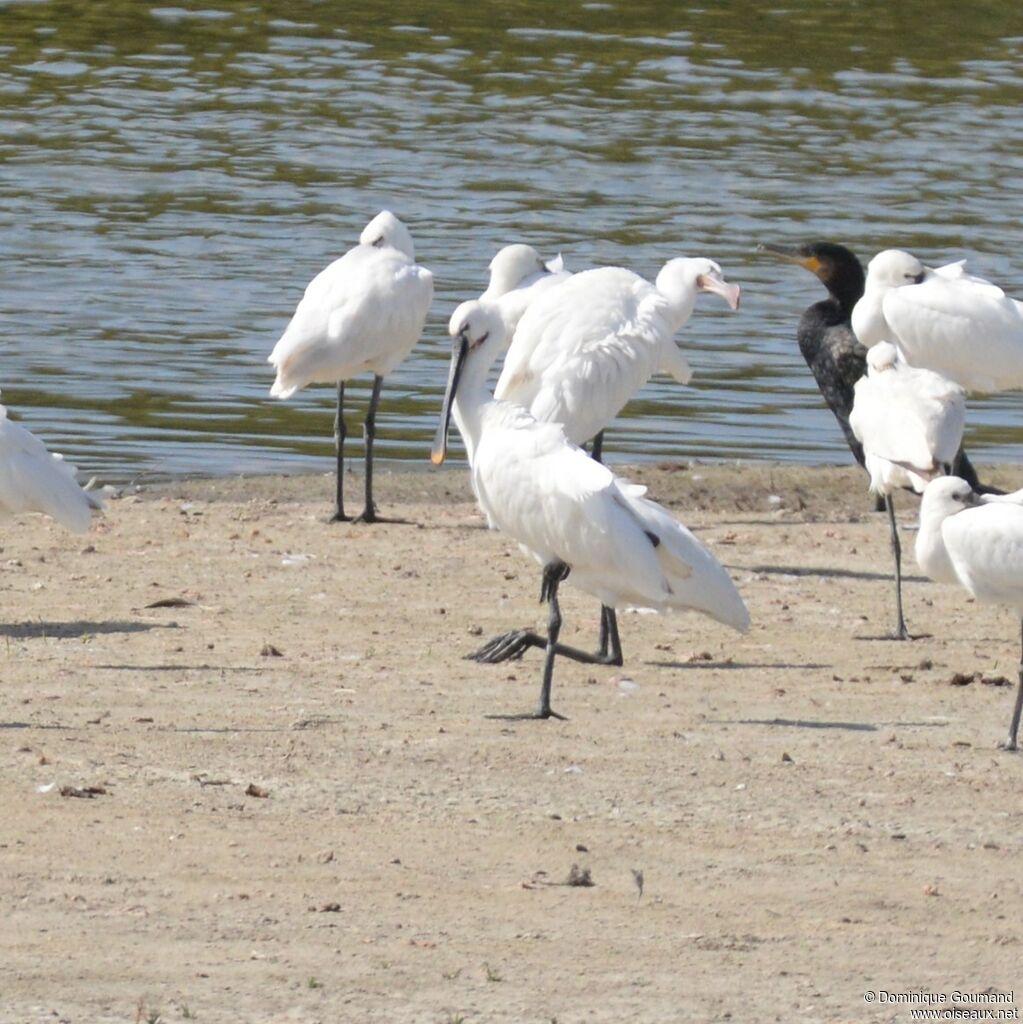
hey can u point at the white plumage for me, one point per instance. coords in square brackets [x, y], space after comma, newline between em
[518, 276]
[559, 504]
[362, 314]
[910, 423]
[946, 320]
[34, 480]
[566, 511]
[520, 268]
[979, 545]
[583, 349]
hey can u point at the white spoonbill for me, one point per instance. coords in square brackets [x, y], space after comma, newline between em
[946, 320]
[518, 275]
[979, 545]
[583, 349]
[567, 511]
[362, 314]
[34, 480]
[910, 423]
[517, 268]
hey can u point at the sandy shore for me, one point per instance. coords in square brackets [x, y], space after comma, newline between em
[299, 811]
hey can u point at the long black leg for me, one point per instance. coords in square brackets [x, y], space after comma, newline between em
[609, 636]
[339, 446]
[962, 467]
[511, 646]
[369, 427]
[553, 573]
[901, 633]
[514, 644]
[1017, 711]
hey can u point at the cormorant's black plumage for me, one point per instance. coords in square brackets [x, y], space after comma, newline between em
[826, 340]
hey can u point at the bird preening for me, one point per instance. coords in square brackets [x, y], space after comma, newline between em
[568, 511]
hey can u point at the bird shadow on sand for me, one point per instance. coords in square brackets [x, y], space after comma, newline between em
[814, 723]
[170, 667]
[71, 630]
[220, 729]
[826, 571]
[480, 525]
[736, 664]
[892, 637]
[796, 723]
[33, 725]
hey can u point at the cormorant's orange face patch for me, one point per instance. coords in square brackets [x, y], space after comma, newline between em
[812, 264]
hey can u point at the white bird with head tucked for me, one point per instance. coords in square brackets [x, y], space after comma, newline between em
[520, 268]
[362, 314]
[518, 275]
[978, 544]
[33, 479]
[946, 320]
[910, 423]
[567, 511]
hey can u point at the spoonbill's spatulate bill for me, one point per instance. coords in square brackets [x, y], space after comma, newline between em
[979, 545]
[910, 422]
[362, 314]
[34, 480]
[946, 320]
[567, 511]
[829, 346]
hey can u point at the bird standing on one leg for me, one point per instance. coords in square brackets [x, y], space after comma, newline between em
[582, 349]
[568, 512]
[363, 313]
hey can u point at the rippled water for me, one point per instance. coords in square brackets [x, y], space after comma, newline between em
[171, 177]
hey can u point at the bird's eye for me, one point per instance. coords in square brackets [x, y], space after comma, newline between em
[914, 278]
[479, 341]
[379, 242]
